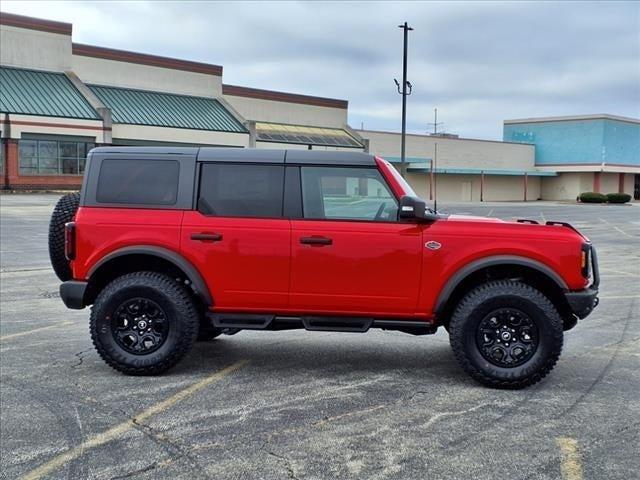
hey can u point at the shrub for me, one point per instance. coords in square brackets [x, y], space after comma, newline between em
[618, 197]
[592, 197]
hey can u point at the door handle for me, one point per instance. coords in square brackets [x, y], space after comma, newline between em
[206, 237]
[316, 241]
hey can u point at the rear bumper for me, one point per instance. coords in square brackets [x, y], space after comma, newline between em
[72, 294]
[582, 302]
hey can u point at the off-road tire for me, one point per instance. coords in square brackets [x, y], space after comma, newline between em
[478, 304]
[178, 306]
[63, 212]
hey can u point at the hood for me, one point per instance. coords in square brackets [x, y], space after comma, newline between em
[472, 218]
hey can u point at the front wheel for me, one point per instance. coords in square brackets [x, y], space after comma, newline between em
[143, 323]
[506, 334]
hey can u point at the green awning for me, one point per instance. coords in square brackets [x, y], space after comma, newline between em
[158, 109]
[32, 92]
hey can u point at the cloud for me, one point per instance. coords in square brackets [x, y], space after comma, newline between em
[478, 62]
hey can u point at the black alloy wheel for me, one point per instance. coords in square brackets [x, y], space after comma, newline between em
[507, 337]
[140, 326]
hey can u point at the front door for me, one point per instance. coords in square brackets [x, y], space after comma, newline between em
[350, 255]
[238, 237]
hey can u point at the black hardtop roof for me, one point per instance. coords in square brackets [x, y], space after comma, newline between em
[251, 155]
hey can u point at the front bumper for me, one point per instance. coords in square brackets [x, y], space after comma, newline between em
[582, 302]
[72, 294]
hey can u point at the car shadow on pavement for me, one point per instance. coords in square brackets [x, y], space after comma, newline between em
[325, 355]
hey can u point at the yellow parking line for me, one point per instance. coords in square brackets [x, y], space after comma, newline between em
[34, 330]
[114, 432]
[571, 463]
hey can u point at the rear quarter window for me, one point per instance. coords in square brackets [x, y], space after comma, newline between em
[140, 182]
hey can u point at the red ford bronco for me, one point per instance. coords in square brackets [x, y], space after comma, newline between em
[170, 245]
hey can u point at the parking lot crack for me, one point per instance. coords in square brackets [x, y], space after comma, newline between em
[80, 356]
[136, 472]
[171, 445]
[281, 459]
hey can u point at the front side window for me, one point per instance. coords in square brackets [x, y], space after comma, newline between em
[232, 190]
[53, 157]
[335, 193]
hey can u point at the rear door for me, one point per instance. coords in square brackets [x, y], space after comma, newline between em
[238, 237]
[350, 254]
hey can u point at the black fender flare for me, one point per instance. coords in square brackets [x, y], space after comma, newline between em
[479, 264]
[199, 285]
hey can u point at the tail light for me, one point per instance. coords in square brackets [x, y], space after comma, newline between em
[585, 260]
[70, 240]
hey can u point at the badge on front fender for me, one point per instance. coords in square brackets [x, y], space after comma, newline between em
[433, 245]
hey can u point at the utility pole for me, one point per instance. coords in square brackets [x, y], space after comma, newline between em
[435, 178]
[403, 91]
[435, 122]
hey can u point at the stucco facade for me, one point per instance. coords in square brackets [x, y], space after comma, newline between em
[599, 153]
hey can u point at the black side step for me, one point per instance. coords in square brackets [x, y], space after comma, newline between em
[337, 324]
[241, 320]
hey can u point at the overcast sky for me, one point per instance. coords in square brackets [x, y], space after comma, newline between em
[478, 62]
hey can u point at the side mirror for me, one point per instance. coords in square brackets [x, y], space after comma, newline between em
[415, 208]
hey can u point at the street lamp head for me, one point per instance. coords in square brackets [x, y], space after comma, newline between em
[405, 26]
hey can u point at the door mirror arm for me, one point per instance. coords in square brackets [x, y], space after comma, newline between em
[414, 208]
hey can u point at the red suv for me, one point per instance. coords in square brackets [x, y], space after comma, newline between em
[170, 245]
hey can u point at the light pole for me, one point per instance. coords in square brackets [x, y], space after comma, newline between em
[403, 91]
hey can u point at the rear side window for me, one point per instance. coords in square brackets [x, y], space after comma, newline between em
[246, 190]
[141, 182]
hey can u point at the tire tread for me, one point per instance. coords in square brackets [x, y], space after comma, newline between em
[64, 211]
[484, 292]
[183, 303]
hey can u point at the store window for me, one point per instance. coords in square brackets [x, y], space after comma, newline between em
[53, 156]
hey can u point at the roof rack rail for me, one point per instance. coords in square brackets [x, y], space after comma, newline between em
[526, 220]
[562, 224]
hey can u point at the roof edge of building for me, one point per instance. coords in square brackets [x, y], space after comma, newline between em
[238, 91]
[443, 138]
[569, 118]
[33, 23]
[127, 56]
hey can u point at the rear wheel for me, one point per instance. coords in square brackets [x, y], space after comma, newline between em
[506, 334]
[64, 211]
[143, 323]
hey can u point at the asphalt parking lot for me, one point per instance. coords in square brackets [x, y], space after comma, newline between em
[315, 405]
